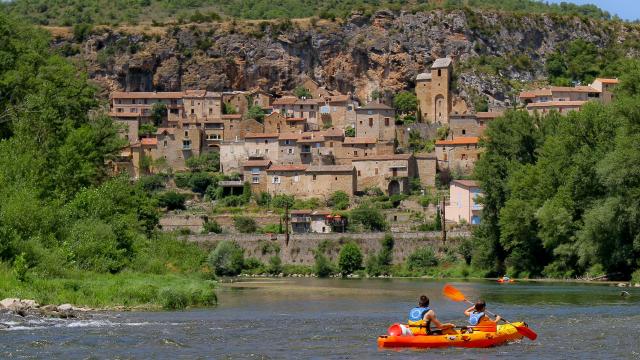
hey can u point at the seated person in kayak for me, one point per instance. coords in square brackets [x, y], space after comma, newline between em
[421, 317]
[479, 320]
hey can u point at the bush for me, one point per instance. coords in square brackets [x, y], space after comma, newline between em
[263, 198]
[282, 201]
[322, 266]
[245, 224]
[151, 183]
[339, 200]
[421, 259]
[272, 229]
[465, 249]
[370, 218]
[174, 299]
[227, 259]
[635, 277]
[172, 200]
[200, 181]
[212, 226]
[349, 259]
[93, 245]
[20, 267]
[252, 264]
[182, 180]
[275, 265]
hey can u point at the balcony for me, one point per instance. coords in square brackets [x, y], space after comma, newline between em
[477, 207]
[305, 151]
[301, 219]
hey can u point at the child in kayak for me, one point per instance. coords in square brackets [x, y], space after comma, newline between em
[479, 320]
[422, 316]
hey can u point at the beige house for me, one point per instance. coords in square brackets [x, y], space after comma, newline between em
[276, 122]
[337, 111]
[310, 221]
[470, 125]
[376, 121]
[310, 181]
[463, 202]
[199, 106]
[458, 154]
[232, 155]
[389, 173]
[262, 145]
[238, 101]
[433, 92]
[564, 99]
[255, 172]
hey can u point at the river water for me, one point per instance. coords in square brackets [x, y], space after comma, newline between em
[340, 319]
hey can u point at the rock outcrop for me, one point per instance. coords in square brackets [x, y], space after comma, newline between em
[27, 307]
[382, 52]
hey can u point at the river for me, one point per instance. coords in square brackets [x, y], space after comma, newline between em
[340, 319]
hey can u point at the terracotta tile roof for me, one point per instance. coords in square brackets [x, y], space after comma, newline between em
[375, 106]
[201, 93]
[232, 116]
[286, 100]
[489, 115]
[330, 168]
[300, 212]
[288, 136]
[167, 130]
[388, 157]
[257, 163]
[556, 104]
[295, 119]
[125, 114]
[466, 183]
[333, 99]
[578, 89]
[459, 141]
[149, 141]
[332, 133]
[306, 102]
[360, 140]
[260, 135]
[535, 93]
[287, 168]
[145, 95]
[608, 81]
[315, 139]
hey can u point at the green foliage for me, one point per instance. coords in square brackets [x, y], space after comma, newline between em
[172, 200]
[635, 277]
[419, 144]
[272, 229]
[350, 131]
[227, 259]
[379, 264]
[81, 32]
[275, 265]
[200, 181]
[212, 226]
[322, 266]
[405, 102]
[339, 200]
[158, 113]
[349, 259]
[282, 201]
[421, 259]
[256, 112]
[302, 92]
[146, 130]
[245, 224]
[209, 161]
[20, 267]
[263, 198]
[151, 183]
[370, 218]
[229, 109]
[182, 180]
[93, 245]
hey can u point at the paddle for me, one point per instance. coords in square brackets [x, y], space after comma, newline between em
[455, 295]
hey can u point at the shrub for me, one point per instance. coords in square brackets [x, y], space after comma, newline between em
[151, 183]
[174, 299]
[372, 265]
[421, 259]
[252, 264]
[339, 200]
[182, 180]
[465, 249]
[227, 258]
[370, 218]
[20, 267]
[200, 181]
[212, 226]
[275, 265]
[302, 92]
[245, 224]
[386, 252]
[272, 229]
[172, 200]
[93, 246]
[263, 198]
[635, 277]
[281, 201]
[350, 131]
[322, 266]
[349, 259]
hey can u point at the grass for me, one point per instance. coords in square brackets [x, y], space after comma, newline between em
[128, 289]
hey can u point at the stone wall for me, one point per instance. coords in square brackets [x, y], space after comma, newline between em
[302, 246]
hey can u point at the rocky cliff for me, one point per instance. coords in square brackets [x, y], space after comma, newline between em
[495, 54]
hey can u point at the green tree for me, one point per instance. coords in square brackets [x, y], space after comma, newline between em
[227, 259]
[282, 201]
[256, 112]
[172, 200]
[405, 102]
[302, 92]
[370, 218]
[350, 131]
[349, 259]
[158, 113]
[322, 266]
[421, 259]
[339, 200]
[245, 224]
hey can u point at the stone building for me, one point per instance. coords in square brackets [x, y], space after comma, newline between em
[200, 105]
[232, 155]
[238, 101]
[305, 181]
[255, 172]
[389, 173]
[376, 121]
[337, 111]
[433, 92]
[262, 145]
[458, 154]
[463, 202]
[426, 167]
[276, 122]
[310, 221]
[465, 125]
[564, 99]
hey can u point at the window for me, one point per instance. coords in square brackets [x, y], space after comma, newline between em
[210, 111]
[314, 177]
[445, 157]
[369, 112]
[481, 123]
[290, 151]
[463, 157]
[359, 173]
[255, 179]
[312, 114]
[255, 171]
[376, 171]
[355, 153]
[192, 111]
[386, 121]
[296, 178]
[439, 72]
[192, 103]
[287, 142]
[370, 122]
[266, 141]
[186, 133]
[394, 172]
[275, 180]
[164, 143]
[186, 144]
[464, 131]
[330, 143]
[336, 178]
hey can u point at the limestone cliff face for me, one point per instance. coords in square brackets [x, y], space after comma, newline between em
[384, 52]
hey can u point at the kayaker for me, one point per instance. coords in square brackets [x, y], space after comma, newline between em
[479, 320]
[422, 316]
[505, 278]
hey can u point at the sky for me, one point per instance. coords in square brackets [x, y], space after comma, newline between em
[625, 9]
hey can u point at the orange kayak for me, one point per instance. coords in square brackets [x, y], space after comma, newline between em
[476, 339]
[503, 281]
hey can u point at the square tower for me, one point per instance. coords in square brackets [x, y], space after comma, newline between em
[433, 92]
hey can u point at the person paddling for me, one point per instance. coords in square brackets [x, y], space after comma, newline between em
[422, 316]
[479, 320]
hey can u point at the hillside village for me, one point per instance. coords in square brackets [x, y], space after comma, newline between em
[312, 142]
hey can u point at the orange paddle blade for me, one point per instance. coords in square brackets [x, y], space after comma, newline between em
[525, 331]
[452, 293]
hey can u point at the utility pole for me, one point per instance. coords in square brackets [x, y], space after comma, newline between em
[286, 225]
[443, 222]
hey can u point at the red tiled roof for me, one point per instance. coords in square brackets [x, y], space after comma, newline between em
[288, 136]
[466, 183]
[296, 119]
[286, 100]
[375, 106]
[168, 130]
[359, 140]
[232, 116]
[314, 139]
[306, 102]
[333, 132]
[608, 81]
[330, 168]
[256, 163]
[489, 115]
[149, 141]
[388, 157]
[287, 168]
[573, 89]
[300, 212]
[556, 104]
[260, 135]
[535, 93]
[145, 95]
[459, 141]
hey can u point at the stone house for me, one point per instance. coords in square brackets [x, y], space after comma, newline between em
[426, 167]
[237, 101]
[564, 99]
[310, 221]
[200, 105]
[232, 155]
[262, 145]
[433, 92]
[458, 154]
[389, 173]
[285, 179]
[289, 151]
[463, 202]
[376, 121]
[255, 172]
[337, 111]
[605, 86]
[278, 123]
[465, 125]
[310, 181]
[260, 98]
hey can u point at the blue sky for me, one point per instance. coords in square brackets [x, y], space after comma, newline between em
[625, 9]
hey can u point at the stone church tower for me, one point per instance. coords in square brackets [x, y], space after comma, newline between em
[432, 90]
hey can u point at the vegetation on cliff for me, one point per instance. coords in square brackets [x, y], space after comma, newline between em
[63, 219]
[561, 192]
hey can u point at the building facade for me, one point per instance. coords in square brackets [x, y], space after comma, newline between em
[464, 206]
[433, 92]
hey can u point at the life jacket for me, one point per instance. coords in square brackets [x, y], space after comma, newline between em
[417, 324]
[480, 322]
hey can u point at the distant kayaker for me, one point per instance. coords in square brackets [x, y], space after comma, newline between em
[479, 320]
[505, 278]
[422, 316]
